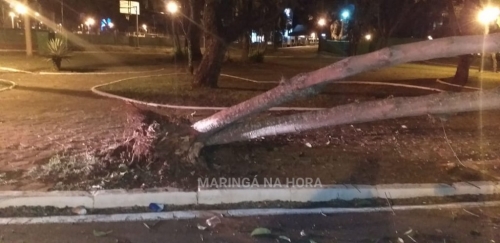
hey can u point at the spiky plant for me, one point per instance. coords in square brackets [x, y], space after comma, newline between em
[57, 52]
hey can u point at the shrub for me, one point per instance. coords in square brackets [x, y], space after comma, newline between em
[57, 52]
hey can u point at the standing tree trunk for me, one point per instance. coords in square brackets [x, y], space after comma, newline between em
[209, 69]
[463, 26]
[245, 47]
[194, 47]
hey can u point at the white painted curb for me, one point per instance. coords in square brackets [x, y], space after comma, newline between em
[13, 70]
[454, 85]
[99, 73]
[142, 198]
[182, 107]
[230, 213]
[10, 83]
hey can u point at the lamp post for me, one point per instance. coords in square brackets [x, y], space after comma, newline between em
[89, 22]
[22, 9]
[487, 16]
[172, 8]
[345, 16]
[12, 16]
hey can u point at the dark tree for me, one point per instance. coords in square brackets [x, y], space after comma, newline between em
[224, 22]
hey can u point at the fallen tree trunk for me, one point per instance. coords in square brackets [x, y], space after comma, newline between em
[443, 103]
[310, 83]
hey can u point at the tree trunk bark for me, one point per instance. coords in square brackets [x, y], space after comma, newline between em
[194, 47]
[443, 103]
[462, 73]
[310, 83]
[245, 47]
[209, 69]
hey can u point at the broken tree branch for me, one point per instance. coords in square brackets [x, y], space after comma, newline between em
[443, 103]
[310, 83]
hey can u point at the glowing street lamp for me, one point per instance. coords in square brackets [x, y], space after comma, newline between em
[12, 16]
[368, 37]
[89, 22]
[345, 14]
[145, 27]
[21, 9]
[488, 15]
[322, 22]
[172, 7]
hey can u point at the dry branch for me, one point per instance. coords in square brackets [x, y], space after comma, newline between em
[443, 103]
[310, 83]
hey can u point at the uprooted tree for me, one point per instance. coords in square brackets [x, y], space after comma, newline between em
[233, 124]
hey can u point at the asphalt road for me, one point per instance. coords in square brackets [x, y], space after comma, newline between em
[472, 225]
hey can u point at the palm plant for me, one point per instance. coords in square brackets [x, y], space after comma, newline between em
[57, 52]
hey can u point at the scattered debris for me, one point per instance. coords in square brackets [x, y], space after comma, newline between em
[156, 207]
[152, 225]
[409, 232]
[404, 127]
[101, 233]
[213, 221]
[201, 227]
[80, 210]
[309, 145]
[311, 241]
[389, 203]
[260, 231]
[471, 213]
[411, 238]
[302, 233]
[285, 238]
[323, 214]
[400, 240]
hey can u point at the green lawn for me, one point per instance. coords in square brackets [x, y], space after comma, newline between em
[177, 90]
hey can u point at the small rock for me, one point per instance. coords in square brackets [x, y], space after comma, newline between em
[80, 210]
[404, 127]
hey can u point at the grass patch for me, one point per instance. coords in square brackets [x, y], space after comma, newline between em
[65, 169]
[177, 90]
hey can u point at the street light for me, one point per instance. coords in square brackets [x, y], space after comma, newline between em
[89, 22]
[368, 37]
[111, 25]
[145, 27]
[12, 16]
[172, 7]
[21, 9]
[345, 14]
[488, 15]
[322, 22]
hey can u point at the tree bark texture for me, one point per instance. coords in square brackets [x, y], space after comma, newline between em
[245, 47]
[435, 104]
[311, 83]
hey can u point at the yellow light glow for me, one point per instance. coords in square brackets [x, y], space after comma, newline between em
[368, 37]
[488, 15]
[322, 22]
[145, 27]
[172, 7]
[12, 14]
[37, 14]
[90, 21]
[313, 35]
[21, 9]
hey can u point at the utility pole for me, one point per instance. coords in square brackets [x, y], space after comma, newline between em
[27, 31]
[137, 24]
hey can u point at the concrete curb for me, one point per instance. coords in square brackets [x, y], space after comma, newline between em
[261, 193]
[100, 73]
[182, 107]
[229, 213]
[13, 70]
[10, 83]
[454, 85]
